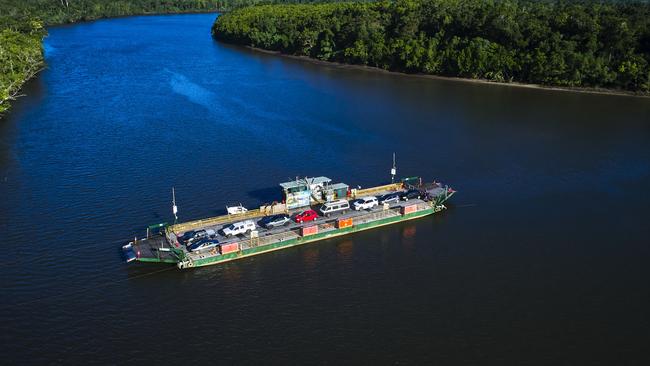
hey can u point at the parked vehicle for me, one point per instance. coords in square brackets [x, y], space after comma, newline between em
[203, 245]
[389, 198]
[238, 228]
[328, 208]
[187, 235]
[305, 216]
[410, 194]
[201, 234]
[365, 203]
[270, 222]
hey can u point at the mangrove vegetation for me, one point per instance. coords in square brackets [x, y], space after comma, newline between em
[21, 55]
[567, 44]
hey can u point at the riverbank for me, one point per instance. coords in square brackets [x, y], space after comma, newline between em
[21, 56]
[565, 46]
[90, 20]
[449, 78]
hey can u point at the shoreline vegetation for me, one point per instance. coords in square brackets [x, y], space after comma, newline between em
[597, 47]
[515, 84]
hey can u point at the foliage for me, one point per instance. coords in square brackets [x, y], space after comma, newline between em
[21, 56]
[574, 44]
[69, 11]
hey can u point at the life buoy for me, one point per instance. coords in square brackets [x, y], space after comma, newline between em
[190, 264]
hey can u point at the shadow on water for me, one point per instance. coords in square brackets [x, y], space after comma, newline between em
[266, 195]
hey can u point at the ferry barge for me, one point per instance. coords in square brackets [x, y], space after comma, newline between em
[405, 200]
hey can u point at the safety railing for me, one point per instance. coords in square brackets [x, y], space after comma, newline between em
[374, 190]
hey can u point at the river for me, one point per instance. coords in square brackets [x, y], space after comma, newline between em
[541, 258]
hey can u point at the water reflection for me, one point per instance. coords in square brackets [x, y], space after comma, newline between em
[310, 257]
[409, 231]
[345, 249]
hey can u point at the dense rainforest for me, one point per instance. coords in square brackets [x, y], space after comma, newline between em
[568, 44]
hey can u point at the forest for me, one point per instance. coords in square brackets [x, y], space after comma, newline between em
[604, 45]
[21, 55]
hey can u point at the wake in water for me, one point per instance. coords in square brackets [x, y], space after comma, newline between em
[195, 93]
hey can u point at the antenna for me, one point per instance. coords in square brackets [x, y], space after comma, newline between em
[393, 170]
[174, 207]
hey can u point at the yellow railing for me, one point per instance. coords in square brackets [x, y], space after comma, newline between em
[372, 190]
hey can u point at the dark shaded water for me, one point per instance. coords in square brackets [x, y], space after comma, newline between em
[542, 259]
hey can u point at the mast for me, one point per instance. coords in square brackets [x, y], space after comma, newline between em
[393, 170]
[174, 207]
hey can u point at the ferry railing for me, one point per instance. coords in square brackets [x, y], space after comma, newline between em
[374, 190]
[269, 239]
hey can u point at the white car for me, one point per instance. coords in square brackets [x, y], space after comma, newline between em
[237, 228]
[365, 203]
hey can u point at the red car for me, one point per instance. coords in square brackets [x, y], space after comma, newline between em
[308, 215]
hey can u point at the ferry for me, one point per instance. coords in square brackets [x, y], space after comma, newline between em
[311, 209]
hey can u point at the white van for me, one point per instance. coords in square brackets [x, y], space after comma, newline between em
[365, 203]
[237, 228]
[329, 208]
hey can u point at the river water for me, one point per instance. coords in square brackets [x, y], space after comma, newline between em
[541, 259]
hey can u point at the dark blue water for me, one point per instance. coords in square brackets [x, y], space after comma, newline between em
[541, 260]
